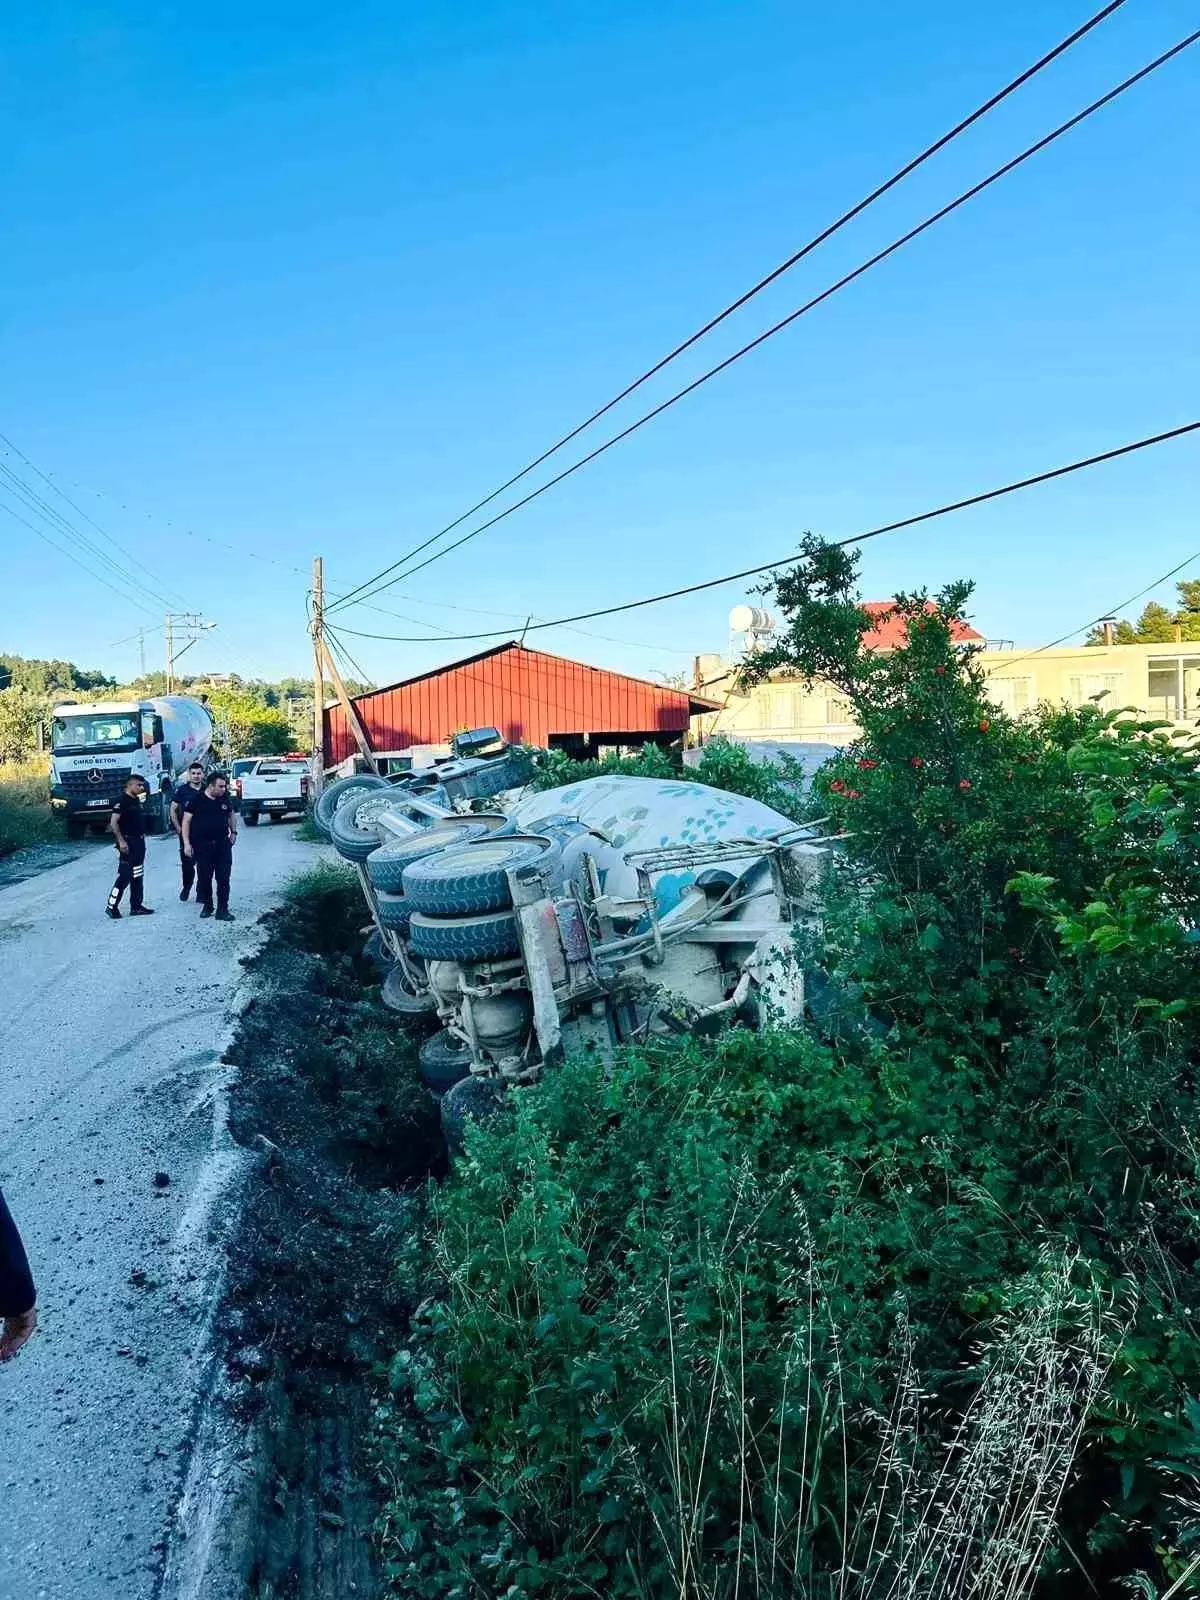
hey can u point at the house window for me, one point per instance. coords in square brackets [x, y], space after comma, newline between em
[1013, 695]
[1104, 688]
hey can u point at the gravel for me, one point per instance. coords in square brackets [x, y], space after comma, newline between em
[116, 1159]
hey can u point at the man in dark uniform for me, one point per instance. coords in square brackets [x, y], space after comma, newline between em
[209, 829]
[18, 1318]
[128, 826]
[192, 785]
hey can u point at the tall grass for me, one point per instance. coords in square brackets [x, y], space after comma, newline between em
[25, 817]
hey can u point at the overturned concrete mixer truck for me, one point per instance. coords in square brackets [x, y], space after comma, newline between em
[615, 910]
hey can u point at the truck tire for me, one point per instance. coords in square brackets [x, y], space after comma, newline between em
[331, 798]
[385, 867]
[398, 997]
[484, 937]
[250, 818]
[472, 1099]
[444, 1061]
[393, 909]
[377, 954]
[472, 877]
[353, 828]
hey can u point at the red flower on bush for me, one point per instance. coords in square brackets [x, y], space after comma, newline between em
[868, 766]
[984, 724]
[964, 784]
[838, 786]
[917, 761]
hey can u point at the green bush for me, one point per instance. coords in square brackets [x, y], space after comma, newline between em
[902, 1304]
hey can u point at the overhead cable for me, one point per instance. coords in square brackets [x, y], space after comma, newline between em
[881, 255]
[858, 538]
[785, 266]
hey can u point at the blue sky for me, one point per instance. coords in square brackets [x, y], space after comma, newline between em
[305, 278]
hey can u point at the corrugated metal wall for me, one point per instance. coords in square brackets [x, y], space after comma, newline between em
[527, 694]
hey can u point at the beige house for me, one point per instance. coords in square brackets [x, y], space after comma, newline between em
[1161, 680]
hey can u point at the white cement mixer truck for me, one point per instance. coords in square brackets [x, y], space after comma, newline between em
[96, 747]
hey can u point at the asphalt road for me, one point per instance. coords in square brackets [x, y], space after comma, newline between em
[116, 1161]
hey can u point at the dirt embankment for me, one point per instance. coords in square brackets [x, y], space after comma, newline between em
[329, 1098]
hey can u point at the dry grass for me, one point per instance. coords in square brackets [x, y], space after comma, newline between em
[25, 817]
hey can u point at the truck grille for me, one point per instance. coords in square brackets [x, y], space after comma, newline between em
[79, 786]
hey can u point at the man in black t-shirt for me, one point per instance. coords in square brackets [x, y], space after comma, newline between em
[128, 827]
[192, 785]
[209, 829]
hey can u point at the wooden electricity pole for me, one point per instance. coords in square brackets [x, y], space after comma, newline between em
[318, 636]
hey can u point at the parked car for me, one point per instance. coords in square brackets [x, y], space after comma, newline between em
[273, 786]
[237, 771]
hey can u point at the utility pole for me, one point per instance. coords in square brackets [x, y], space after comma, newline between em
[142, 650]
[323, 663]
[318, 637]
[188, 623]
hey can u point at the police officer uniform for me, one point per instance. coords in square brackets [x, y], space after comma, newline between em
[187, 864]
[17, 1294]
[210, 839]
[131, 821]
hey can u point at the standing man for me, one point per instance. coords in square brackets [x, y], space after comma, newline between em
[18, 1318]
[128, 827]
[193, 784]
[209, 830]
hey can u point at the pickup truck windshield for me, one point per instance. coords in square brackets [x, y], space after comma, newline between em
[277, 769]
[95, 732]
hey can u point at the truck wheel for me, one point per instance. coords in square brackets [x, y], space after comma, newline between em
[393, 910]
[471, 1100]
[472, 877]
[385, 866]
[398, 997]
[331, 798]
[250, 818]
[445, 1061]
[375, 952]
[479, 938]
[353, 828]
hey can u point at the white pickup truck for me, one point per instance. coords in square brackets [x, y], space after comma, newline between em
[275, 786]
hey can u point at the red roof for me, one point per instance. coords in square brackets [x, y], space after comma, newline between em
[888, 632]
[529, 695]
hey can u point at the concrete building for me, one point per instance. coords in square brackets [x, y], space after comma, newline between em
[1161, 680]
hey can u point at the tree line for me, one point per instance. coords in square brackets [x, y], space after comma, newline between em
[253, 716]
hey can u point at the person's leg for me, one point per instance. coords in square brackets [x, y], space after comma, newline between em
[204, 875]
[137, 866]
[187, 868]
[223, 866]
[124, 878]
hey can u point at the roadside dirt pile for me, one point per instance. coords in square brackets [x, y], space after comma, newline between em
[329, 1097]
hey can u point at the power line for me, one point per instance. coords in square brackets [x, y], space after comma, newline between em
[1111, 612]
[346, 658]
[785, 266]
[65, 550]
[49, 516]
[857, 538]
[841, 283]
[50, 483]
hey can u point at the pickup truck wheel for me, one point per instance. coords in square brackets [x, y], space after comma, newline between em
[385, 866]
[332, 797]
[473, 877]
[479, 938]
[444, 1061]
[471, 1100]
[250, 818]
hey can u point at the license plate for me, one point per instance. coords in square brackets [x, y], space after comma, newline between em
[99, 802]
[279, 805]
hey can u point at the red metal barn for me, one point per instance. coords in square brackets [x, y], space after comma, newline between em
[530, 696]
